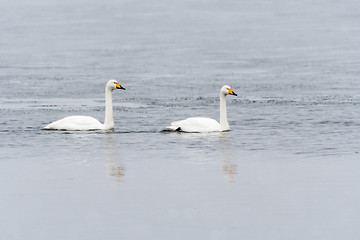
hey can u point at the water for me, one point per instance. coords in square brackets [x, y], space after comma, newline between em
[287, 170]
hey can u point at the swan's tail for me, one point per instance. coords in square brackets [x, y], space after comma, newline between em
[175, 126]
[172, 128]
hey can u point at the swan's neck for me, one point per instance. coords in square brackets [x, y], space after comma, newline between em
[224, 125]
[109, 120]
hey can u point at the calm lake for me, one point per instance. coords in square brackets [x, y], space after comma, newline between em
[288, 169]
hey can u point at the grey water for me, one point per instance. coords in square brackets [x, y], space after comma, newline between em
[288, 169]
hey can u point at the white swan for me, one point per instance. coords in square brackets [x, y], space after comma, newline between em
[85, 123]
[201, 124]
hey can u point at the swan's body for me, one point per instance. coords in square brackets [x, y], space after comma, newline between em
[85, 123]
[201, 124]
[195, 124]
[76, 123]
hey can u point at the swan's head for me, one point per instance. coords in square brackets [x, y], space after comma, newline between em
[227, 90]
[113, 84]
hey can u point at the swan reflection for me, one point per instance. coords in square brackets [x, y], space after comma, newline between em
[114, 167]
[115, 171]
[210, 142]
[228, 162]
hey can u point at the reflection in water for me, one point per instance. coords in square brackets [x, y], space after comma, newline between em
[114, 167]
[225, 149]
[228, 161]
[115, 171]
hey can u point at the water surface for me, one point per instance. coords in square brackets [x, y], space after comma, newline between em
[288, 169]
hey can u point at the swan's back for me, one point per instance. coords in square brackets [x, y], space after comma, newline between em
[75, 123]
[195, 124]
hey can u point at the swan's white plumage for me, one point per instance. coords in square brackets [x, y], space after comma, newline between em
[76, 123]
[202, 124]
[195, 124]
[85, 123]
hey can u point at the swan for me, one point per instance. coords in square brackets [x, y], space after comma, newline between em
[85, 123]
[201, 124]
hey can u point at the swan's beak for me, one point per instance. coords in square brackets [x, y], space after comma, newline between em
[231, 92]
[118, 86]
